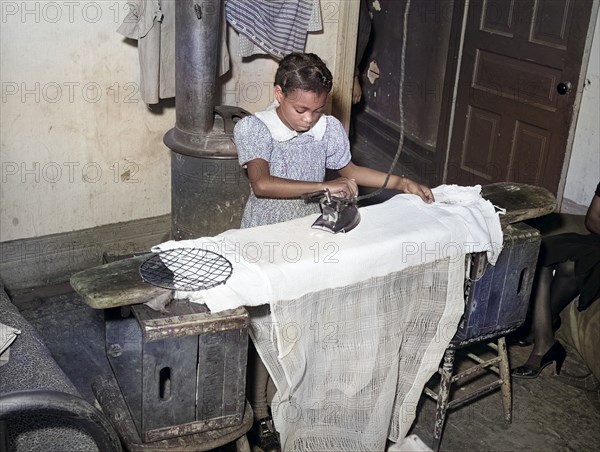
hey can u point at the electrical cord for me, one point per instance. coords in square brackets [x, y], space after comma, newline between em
[401, 104]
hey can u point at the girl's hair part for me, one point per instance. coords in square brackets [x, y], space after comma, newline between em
[305, 71]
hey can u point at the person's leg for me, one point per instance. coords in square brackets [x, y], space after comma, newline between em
[543, 335]
[554, 290]
[258, 380]
[564, 290]
[263, 432]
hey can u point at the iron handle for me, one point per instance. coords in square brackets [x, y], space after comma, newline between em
[563, 88]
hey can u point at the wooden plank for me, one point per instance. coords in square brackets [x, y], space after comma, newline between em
[521, 201]
[116, 284]
[51, 259]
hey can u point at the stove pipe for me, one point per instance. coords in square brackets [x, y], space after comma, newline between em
[208, 187]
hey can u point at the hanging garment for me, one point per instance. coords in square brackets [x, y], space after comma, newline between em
[152, 24]
[276, 27]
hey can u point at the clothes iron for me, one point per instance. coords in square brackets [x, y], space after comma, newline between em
[338, 214]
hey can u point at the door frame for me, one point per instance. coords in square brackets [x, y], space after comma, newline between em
[345, 56]
[577, 103]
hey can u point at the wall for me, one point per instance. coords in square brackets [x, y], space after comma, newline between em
[79, 148]
[426, 53]
[584, 166]
[426, 90]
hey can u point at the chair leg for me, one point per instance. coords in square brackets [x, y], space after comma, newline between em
[505, 376]
[443, 398]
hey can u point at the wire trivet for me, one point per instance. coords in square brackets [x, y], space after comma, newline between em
[187, 269]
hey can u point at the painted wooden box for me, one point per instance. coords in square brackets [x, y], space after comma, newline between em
[497, 297]
[181, 371]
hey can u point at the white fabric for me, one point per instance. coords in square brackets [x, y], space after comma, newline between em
[456, 194]
[480, 216]
[280, 132]
[412, 443]
[8, 334]
[288, 260]
[350, 363]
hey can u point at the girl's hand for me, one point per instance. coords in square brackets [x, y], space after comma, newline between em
[410, 186]
[342, 187]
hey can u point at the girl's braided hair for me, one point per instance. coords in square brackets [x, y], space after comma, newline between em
[305, 71]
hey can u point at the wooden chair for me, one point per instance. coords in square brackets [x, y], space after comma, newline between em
[496, 301]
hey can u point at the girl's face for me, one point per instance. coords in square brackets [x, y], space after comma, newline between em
[300, 110]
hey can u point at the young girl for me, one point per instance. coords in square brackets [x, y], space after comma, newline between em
[286, 150]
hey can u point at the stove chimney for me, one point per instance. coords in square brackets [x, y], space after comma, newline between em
[208, 187]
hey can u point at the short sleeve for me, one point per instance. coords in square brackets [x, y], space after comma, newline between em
[252, 140]
[338, 146]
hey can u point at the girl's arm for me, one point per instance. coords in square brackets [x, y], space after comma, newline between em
[368, 177]
[266, 186]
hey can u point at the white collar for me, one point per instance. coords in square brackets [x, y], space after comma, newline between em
[281, 132]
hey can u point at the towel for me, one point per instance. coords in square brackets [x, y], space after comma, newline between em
[478, 214]
[285, 261]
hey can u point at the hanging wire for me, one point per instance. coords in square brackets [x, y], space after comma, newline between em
[401, 105]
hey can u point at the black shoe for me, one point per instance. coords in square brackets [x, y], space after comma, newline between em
[264, 435]
[556, 354]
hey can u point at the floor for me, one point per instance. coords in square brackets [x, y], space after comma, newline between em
[548, 414]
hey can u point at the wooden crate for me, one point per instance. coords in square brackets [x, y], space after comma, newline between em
[497, 297]
[181, 371]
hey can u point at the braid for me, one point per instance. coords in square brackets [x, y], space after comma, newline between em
[305, 71]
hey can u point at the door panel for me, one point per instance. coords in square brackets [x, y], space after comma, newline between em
[511, 122]
[521, 81]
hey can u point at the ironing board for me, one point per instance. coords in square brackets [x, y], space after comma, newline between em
[333, 327]
[422, 324]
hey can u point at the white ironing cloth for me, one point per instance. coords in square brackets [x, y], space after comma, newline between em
[287, 260]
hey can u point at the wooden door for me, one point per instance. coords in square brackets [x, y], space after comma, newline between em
[518, 85]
